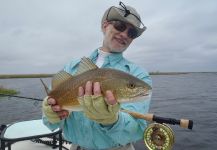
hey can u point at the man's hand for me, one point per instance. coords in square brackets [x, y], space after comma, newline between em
[104, 111]
[52, 111]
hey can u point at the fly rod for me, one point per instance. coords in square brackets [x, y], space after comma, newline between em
[31, 98]
[184, 123]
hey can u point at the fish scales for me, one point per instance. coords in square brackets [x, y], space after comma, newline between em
[125, 87]
[67, 91]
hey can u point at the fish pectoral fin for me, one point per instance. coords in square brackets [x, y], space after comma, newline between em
[60, 78]
[85, 65]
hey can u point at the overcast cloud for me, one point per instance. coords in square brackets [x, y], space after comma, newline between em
[40, 36]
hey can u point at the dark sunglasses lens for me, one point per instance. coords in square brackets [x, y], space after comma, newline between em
[120, 26]
[132, 33]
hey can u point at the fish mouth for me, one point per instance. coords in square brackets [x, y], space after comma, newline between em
[143, 94]
[137, 98]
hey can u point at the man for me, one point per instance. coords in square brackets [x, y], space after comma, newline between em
[92, 129]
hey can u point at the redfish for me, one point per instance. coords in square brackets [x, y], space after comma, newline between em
[125, 87]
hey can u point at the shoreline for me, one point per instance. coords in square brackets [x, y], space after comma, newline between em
[10, 76]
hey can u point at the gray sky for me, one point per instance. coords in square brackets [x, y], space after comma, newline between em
[40, 36]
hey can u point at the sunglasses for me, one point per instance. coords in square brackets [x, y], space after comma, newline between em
[121, 27]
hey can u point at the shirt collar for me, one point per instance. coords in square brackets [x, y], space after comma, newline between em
[113, 58]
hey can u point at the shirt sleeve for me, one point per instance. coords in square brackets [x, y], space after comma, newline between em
[71, 66]
[51, 126]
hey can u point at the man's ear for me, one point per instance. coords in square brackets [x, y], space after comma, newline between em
[104, 26]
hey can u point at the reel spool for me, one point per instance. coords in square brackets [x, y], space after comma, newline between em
[158, 137]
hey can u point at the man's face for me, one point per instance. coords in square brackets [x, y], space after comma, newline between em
[114, 40]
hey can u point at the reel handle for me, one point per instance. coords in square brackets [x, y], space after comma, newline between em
[184, 123]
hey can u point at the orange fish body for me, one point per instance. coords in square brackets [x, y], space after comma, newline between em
[125, 87]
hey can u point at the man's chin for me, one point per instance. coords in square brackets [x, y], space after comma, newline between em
[118, 49]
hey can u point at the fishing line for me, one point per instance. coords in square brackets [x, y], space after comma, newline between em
[31, 98]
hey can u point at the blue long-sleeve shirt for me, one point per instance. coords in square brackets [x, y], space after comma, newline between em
[84, 132]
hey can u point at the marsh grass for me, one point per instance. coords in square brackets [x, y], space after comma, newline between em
[7, 91]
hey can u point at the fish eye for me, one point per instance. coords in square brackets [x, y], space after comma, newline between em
[131, 85]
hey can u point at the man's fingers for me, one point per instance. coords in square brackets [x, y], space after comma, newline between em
[51, 101]
[110, 99]
[63, 114]
[56, 108]
[96, 89]
[80, 91]
[89, 88]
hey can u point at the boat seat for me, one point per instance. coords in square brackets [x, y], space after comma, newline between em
[29, 130]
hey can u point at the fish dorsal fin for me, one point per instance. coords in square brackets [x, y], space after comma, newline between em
[85, 65]
[59, 78]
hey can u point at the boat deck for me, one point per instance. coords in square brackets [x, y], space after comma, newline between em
[29, 145]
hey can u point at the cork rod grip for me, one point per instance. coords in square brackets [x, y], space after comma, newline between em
[184, 123]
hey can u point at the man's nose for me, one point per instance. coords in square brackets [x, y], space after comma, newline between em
[124, 34]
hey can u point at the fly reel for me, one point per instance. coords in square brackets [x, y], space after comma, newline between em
[158, 137]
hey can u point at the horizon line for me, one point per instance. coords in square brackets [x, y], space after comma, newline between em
[48, 75]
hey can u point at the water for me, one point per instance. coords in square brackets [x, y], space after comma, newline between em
[192, 96]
